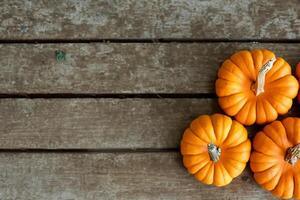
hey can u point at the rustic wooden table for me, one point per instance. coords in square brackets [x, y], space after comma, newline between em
[104, 120]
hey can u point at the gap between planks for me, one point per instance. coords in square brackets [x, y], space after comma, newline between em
[93, 151]
[146, 40]
[107, 95]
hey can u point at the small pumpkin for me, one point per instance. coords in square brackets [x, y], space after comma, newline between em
[274, 160]
[255, 86]
[215, 149]
[298, 76]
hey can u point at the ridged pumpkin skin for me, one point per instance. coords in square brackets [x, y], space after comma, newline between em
[298, 76]
[236, 87]
[229, 135]
[268, 163]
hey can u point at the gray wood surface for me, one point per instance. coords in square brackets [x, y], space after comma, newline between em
[198, 19]
[101, 123]
[112, 176]
[97, 123]
[121, 68]
[113, 148]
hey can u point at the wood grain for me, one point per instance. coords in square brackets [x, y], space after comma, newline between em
[93, 19]
[121, 148]
[112, 176]
[97, 123]
[121, 68]
[100, 123]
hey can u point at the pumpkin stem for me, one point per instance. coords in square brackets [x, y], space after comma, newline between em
[293, 154]
[262, 75]
[214, 152]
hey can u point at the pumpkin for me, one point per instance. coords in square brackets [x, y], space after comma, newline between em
[274, 160]
[298, 76]
[215, 149]
[255, 86]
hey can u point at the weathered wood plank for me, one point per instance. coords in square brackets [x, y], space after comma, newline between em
[97, 123]
[100, 123]
[94, 19]
[112, 176]
[121, 68]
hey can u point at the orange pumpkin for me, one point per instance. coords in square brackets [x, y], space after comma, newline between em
[215, 149]
[255, 86]
[274, 160]
[298, 76]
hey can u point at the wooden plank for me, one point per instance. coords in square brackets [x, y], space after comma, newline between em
[112, 176]
[97, 123]
[121, 68]
[93, 19]
[100, 123]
